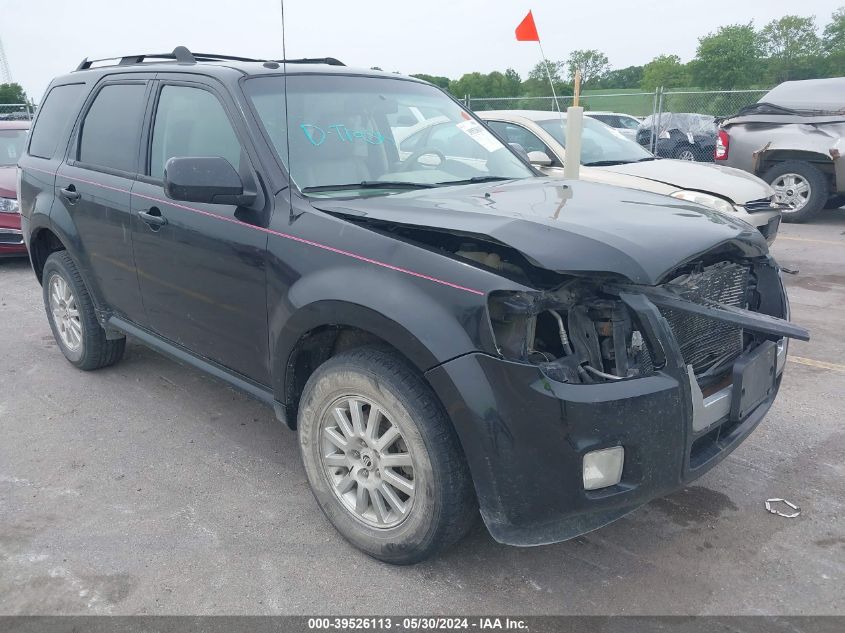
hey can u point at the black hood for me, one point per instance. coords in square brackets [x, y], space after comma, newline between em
[568, 226]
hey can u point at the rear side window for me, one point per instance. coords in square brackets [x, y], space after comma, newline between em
[112, 126]
[191, 122]
[58, 108]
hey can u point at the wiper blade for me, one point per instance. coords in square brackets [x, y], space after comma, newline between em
[605, 163]
[370, 184]
[474, 179]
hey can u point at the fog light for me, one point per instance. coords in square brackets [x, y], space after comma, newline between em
[603, 468]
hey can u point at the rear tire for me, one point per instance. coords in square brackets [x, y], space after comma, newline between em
[70, 312]
[801, 185]
[349, 407]
[684, 152]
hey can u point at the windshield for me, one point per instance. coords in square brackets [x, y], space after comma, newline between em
[599, 143]
[11, 146]
[385, 135]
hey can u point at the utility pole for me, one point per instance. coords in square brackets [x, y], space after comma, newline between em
[5, 73]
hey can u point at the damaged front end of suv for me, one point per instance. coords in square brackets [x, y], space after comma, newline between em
[619, 370]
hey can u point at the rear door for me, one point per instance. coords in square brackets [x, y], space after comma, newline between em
[94, 183]
[46, 150]
[201, 266]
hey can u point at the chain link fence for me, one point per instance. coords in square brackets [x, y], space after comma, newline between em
[639, 104]
[16, 111]
[719, 103]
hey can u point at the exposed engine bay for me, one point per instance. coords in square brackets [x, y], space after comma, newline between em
[583, 332]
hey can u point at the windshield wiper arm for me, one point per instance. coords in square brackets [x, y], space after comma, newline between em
[370, 184]
[472, 180]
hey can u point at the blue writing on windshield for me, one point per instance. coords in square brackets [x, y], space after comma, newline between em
[317, 135]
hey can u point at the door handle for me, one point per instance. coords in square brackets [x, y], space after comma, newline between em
[153, 218]
[70, 193]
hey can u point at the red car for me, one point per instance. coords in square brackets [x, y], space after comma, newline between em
[12, 143]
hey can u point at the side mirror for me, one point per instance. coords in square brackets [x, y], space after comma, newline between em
[209, 179]
[519, 149]
[539, 159]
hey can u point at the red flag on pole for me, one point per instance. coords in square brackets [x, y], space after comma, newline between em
[527, 30]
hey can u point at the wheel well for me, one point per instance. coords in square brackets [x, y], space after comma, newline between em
[313, 349]
[41, 246]
[772, 157]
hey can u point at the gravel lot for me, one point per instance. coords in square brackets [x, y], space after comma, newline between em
[148, 488]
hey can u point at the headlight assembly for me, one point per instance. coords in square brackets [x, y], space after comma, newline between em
[572, 333]
[9, 205]
[705, 199]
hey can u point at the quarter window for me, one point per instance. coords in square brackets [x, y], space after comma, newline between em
[191, 122]
[111, 128]
[53, 115]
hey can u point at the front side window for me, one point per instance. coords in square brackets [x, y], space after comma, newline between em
[513, 133]
[54, 114]
[600, 145]
[342, 131]
[12, 143]
[628, 122]
[191, 122]
[110, 131]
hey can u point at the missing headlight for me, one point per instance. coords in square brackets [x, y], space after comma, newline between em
[572, 333]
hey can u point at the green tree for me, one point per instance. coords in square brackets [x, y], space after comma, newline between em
[834, 32]
[666, 71]
[622, 78]
[593, 65]
[12, 93]
[729, 58]
[793, 46]
[437, 80]
[555, 69]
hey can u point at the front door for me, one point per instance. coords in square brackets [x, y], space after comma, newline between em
[201, 267]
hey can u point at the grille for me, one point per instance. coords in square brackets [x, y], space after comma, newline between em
[706, 342]
[755, 206]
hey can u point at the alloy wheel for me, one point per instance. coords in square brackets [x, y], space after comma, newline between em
[686, 154]
[792, 190]
[367, 462]
[65, 312]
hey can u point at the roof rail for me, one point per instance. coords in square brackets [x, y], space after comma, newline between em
[183, 56]
[331, 61]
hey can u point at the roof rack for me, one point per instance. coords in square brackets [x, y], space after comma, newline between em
[183, 56]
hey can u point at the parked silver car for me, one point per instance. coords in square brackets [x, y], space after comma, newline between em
[611, 158]
[794, 138]
[625, 124]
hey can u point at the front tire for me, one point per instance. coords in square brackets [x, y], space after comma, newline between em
[801, 186]
[72, 318]
[383, 461]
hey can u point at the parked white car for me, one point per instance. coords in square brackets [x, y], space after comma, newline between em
[625, 124]
[608, 157]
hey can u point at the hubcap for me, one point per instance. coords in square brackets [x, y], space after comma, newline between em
[686, 155]
[65, 312]
[792, 190]
[367, 462]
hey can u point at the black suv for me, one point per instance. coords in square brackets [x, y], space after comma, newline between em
[446, 329]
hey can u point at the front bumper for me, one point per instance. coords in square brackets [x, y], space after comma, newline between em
[11, 236]
[525, 435]
[767, 222]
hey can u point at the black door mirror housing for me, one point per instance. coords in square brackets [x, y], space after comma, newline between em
[208, 179]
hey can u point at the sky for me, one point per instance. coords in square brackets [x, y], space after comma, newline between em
[45, 38]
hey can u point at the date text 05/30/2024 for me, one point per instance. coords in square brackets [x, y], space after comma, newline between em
[417, 623]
